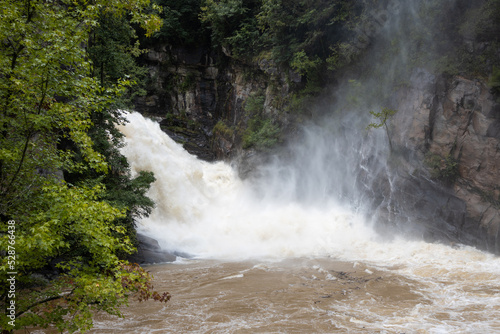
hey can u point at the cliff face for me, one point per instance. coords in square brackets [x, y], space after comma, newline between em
[201, 100]
[447, 132]
[182, 91]
[442, 177]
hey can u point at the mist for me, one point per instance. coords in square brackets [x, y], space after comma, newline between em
[336, 178]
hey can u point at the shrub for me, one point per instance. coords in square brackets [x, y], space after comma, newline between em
[222, 129]
[261, 133]
[442, 168]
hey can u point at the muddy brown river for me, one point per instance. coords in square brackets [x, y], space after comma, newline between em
[313, 296]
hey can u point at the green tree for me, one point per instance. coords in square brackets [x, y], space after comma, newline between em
[112, 47]
[181, 23]
[233, 25]
[48, 102]
[382, 117]
[294, 26]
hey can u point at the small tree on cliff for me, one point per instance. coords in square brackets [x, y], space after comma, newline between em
[382, 118]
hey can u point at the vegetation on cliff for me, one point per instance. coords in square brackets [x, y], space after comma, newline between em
[261, 133]
[317, 38]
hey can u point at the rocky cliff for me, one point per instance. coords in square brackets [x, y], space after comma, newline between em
[446, 134]
[201, 99]
[448, 130]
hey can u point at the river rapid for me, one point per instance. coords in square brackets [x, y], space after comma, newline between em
[270, 264]
[320, 295]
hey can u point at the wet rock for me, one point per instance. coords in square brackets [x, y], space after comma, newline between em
[149, 251]
[456, 120]
[190, 134]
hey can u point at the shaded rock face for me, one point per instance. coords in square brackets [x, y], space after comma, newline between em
[192, 90]
[183, 87]
[194, 137]
[446, 132]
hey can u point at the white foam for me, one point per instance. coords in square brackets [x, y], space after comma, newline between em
[205, 210]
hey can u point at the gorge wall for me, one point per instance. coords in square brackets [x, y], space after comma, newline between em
[201, 100]
[443, 176]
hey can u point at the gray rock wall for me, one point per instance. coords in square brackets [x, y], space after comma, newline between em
[450, 127]
[192, 89]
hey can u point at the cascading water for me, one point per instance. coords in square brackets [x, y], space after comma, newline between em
[205, 210]
[335, 170]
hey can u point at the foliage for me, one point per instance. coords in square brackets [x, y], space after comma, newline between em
[261, 132]
[222, 129]
[113, 47]
[442, 168]
[296, 34]
[254, 104]
[188, 82]
[317, 37]
[72, 227]
[341, 54]
[244, 39]
[300, 103]
[290, 26]
[382, 117]
[232, 24]
[306, 66]
[122, 190]
[181, 24]
[67, 234]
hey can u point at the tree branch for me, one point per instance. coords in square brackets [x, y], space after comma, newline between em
[39, 303]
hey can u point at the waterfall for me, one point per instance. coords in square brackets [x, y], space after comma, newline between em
[323, 198]
[204, 209]
[335, 180]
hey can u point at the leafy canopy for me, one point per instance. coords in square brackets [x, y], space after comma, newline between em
[67, 240]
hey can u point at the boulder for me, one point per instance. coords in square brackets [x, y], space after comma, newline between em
[149, 251]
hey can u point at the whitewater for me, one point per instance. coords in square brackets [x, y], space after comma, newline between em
[244, 243]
